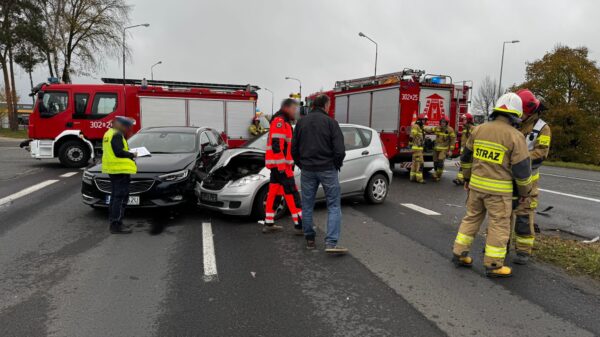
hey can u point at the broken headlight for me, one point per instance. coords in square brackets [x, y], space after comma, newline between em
[246, 180]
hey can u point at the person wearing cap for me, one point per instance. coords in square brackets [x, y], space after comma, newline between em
[255, 128]
[118, 163]
[495, 162]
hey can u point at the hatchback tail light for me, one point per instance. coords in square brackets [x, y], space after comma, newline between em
[385, 153]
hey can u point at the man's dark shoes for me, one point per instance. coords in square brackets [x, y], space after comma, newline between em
[335, 249]
[120, 229]
[310, 244]
[298, 231]
[271, 229]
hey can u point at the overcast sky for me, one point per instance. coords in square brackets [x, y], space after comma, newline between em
[262, 41]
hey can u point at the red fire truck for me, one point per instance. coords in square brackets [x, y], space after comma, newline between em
[390, 103]
[69, 120]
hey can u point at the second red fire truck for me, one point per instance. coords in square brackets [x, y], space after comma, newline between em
[69, 120]
[390, 103]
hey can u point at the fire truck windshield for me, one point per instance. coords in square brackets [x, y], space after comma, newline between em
[53, 102]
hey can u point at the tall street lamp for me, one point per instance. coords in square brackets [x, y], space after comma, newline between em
[502, 63]
[299, 82]
[376, 51]
[124, 31]
[272, 100]
[152, 69]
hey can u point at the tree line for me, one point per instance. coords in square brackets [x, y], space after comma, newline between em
[71, 37]
[568, 83]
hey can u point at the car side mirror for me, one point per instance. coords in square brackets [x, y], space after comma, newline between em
[209, 149]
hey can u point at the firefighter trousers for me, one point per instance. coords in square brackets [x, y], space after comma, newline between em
[438, 163]
[498, 209]
[523, 220]
[282, 184]
[416, 169]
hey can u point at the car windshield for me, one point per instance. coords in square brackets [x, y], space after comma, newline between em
[165, 142]
[259, 143]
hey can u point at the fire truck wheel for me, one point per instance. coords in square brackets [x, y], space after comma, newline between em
[377, 189]
[74, 154]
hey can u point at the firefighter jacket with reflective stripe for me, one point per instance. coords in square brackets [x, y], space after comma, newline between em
[417, 137]
[538, 137]
[466, 133]
[111, 164]
[496, 157]
[279, 144]
[444, 138]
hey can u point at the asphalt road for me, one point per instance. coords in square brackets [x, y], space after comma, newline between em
[63, 274]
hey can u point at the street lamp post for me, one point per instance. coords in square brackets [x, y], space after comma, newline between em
[124, 31]
[502, 64]
[272, 100]
[152, 69]
[376, 49]
[299, 82]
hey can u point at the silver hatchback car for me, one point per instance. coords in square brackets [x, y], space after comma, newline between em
[238, 183]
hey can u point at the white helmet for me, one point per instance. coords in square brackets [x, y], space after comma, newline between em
[510, 103]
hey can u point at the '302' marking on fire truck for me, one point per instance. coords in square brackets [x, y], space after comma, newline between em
[99, 125]
[410, 97]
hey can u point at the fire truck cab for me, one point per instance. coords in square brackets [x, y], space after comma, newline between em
[390, 104]
[69, 120]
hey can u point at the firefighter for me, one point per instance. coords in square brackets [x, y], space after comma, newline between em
[417, 138]
[468, 125]
[255, 128]
[494, 159]
[444, 142]
[279, 160]
[118, 163]
[537, 135]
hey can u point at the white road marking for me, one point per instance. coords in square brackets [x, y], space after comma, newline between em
[24, 192]
[210, 261]
[570, 195]
[567, 177]
[68, 174]
[420, 209]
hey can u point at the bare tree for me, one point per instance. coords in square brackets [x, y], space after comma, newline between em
[80, 32]
[486, 96]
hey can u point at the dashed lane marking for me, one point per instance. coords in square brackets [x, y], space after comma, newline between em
[26, 191]
[210, 261]
[68, 174]
[570, 195]
[420, 209]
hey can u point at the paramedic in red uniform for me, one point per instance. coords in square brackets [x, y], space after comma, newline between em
[279, 160]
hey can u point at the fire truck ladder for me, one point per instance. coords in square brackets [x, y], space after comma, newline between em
[186, 85]
[379, 79]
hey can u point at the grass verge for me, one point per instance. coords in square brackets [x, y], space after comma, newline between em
[580, 166]
[573, 256]
[20, 134]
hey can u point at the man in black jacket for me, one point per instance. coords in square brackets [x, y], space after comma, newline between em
[318, 150]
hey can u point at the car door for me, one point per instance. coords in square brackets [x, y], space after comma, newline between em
[352, 174]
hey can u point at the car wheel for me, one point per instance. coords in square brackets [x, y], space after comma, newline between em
[377, 189]
[74, 154]
[260, 201]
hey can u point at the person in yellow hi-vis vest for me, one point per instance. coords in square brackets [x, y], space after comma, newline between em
[537, 135]
[494, 159]
[118, 163]
[445, 138]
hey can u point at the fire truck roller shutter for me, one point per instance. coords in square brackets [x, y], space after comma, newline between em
[239, 115]
[386, 106]
[207, 113]
[359, 108]
[341, 109]
[162, 112]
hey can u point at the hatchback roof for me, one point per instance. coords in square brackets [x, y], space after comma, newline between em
[180, 129]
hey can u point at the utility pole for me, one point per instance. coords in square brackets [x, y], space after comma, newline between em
[124, 32]
[376, 50]
[502, 64]
[152, 69]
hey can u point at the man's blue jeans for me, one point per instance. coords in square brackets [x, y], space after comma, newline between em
[331, 185]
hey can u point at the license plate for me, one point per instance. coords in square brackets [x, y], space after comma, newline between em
[208, 197]
[132, 201]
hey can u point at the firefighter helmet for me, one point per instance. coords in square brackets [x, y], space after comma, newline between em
[530, 102]
[422, 117]
[444, 119]
[511, 104]
[468, 118]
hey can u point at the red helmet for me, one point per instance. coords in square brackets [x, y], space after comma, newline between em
[468, 118]
[530, 102]
[423, 116]
[444, 119]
